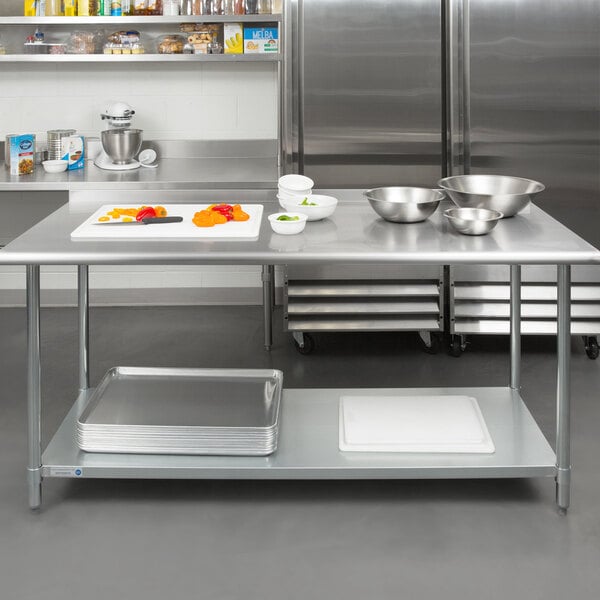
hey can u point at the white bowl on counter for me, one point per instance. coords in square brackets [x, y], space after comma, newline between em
[320, 206]
[295, 184]
[292, 195]
[55, 166]
[288, 227]
[291, 198]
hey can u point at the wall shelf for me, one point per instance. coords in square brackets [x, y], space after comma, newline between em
[121, 58]
[140, 20]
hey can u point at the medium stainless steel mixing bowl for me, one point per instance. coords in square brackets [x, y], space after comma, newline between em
[509, 195]
[404, 204]
[473, 221]
[122, 144]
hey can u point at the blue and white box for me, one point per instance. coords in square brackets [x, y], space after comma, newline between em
[261, 40]
[20, 153]
[73, 151]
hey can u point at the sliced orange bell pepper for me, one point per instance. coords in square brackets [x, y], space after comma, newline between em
[203, 219]
[239, 214]
[218, 218]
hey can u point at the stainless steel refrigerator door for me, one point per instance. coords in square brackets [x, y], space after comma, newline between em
[523, 100]
[368, 92]
[534, 82]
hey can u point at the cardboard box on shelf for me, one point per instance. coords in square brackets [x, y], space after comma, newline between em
[233, 34]
[261, 40]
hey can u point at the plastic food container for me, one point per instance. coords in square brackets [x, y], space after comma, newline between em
[200, 41]
[288, 227]
[171, 44]
[82, 42]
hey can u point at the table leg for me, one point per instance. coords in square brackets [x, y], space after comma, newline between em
[563, 391]
[83, 307]
[515, 327]
[272, 276]
[34, 404]
[267, 306]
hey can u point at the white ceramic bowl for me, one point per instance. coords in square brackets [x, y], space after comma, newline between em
[55, 166]
[295, 183]
[323, 207]
[288, 227]
[287, 192]
[291, 199]
[293, 195]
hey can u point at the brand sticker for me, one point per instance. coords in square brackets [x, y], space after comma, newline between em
[66, 472]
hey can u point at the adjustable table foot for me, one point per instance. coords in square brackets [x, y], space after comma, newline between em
[34, 483]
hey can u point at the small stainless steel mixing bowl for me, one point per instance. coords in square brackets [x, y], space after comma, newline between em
[404, 204]
[473, 221]
[509, 195]
[122, 144]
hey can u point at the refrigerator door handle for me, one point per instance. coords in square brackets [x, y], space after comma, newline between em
[291, 88]
[458, 86]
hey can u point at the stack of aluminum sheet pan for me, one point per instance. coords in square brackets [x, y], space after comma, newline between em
[183, 411]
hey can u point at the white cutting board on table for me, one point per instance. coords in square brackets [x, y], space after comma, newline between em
[185, 230]
[413, 424]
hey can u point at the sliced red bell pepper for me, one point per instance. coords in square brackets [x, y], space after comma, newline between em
[224, 209]
[145, 213]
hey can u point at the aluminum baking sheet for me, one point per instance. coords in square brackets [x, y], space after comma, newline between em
[195, 411]
[194, 451]
[232, 398]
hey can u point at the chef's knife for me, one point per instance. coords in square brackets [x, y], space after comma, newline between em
[146, 221]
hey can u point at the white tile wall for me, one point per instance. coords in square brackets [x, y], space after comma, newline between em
[172, 101]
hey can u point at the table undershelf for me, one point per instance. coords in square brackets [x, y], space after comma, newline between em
[308, 446]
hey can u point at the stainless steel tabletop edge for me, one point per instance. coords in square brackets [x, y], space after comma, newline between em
[353, 235]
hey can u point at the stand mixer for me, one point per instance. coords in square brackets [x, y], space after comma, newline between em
[119, 143]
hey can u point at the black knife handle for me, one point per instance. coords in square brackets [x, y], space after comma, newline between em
[158, 220]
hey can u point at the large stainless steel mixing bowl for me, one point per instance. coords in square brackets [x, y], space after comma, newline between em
[404, 204]
[507, 194]
[122, 145]
[473, 221]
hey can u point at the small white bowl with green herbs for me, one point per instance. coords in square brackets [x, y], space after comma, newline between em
[315, 206]
[288, 223]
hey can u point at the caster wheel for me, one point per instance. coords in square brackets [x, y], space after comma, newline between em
[456, 348]
[308, 346]
[591, 347]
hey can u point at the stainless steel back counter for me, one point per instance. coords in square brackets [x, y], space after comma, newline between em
[182, 165]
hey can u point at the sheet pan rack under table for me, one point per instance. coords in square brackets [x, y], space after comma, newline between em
[308, 444]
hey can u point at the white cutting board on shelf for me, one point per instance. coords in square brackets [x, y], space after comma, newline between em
[413, 424]
[185, 230]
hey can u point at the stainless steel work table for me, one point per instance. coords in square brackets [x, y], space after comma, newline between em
[308, 445]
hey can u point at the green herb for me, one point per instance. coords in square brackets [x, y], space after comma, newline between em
[305, 202]
[288, 218]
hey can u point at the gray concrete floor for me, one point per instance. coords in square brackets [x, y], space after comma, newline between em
[218, 540]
